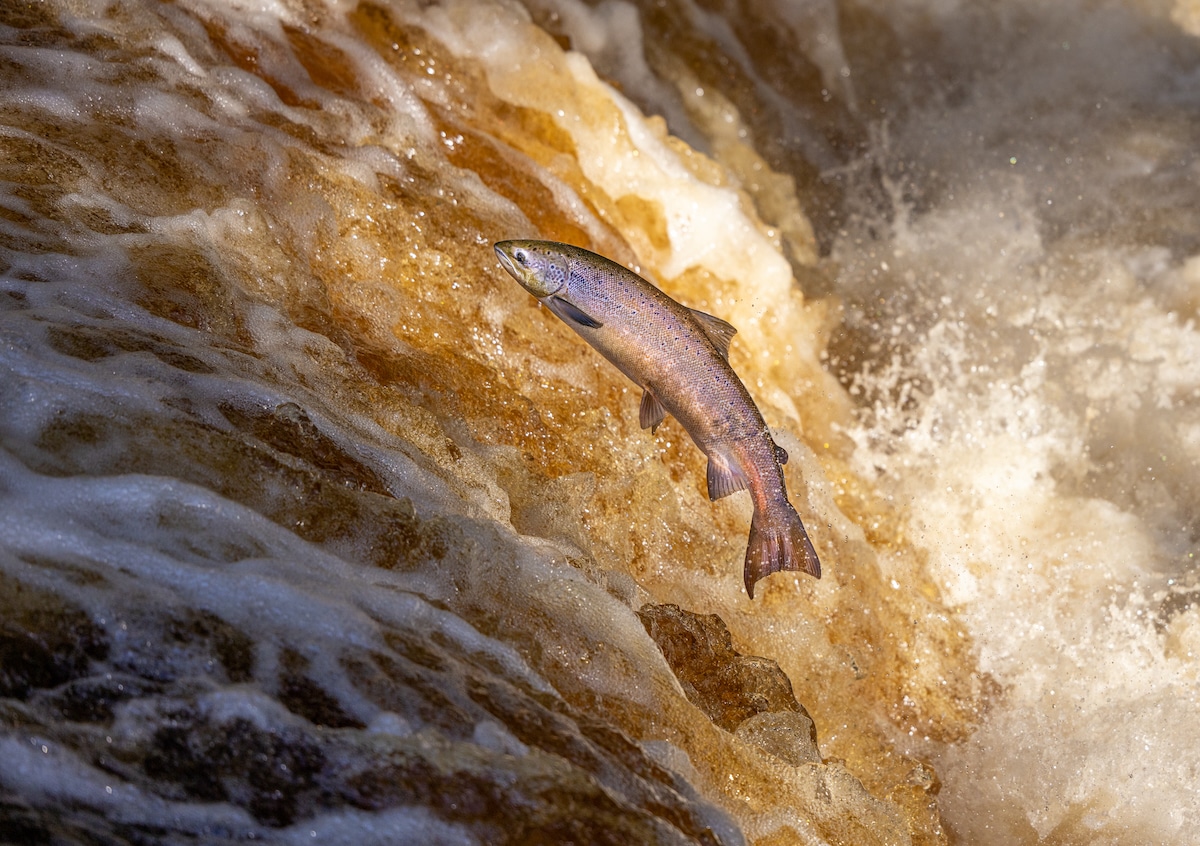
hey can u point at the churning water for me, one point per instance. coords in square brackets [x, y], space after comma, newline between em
[314, 528]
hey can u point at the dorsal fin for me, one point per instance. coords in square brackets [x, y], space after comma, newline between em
[651, 413]
[717, 330]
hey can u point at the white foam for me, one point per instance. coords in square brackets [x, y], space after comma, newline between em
[699, 217]
[1057, 588]
[1042, 455]
[610, 34]
[1026, 356]
[379, 828]
[387, 722]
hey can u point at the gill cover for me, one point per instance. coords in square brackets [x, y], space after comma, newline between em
[540, 271]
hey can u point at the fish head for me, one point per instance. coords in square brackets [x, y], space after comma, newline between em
[541, 269]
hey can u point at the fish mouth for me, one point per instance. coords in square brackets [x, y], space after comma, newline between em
[506, 260]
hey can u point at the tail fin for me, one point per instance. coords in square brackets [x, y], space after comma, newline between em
[778, 542]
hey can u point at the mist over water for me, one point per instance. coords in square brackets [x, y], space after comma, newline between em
[314, 527]
[1021, 335]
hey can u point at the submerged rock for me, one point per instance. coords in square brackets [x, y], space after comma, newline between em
[728, 686]
[44, 642]
[749, 696]
[788, 735]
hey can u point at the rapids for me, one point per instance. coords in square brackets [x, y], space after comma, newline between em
[314, 528]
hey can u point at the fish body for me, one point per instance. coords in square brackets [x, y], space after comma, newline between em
[679, 357]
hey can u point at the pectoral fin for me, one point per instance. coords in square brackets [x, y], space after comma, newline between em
[717, 330]
[724, 477]
[571, 314]
[651, 413]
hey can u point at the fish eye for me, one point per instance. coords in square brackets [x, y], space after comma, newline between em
[521, 258]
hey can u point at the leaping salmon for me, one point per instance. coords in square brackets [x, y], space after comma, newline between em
[679, 357]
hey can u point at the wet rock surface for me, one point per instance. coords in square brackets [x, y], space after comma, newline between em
[314, 526]
[788, 735]
[43, 643]
[489, 757]
[728, 686]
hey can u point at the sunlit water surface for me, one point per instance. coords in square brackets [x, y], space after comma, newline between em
[315, 528]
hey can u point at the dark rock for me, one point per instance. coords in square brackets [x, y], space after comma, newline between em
[304, 697]
[288, 429]
[176, 643]
[265, 771]
[94, 699]
[91, 343]
[21, 824]
[727, 686]
[44, 641]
